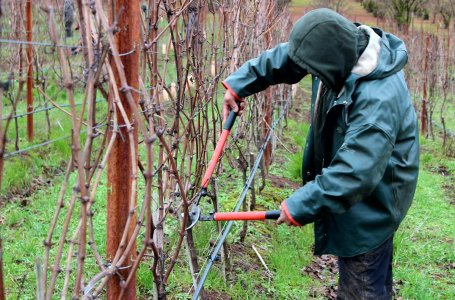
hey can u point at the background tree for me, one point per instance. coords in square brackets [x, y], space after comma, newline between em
[446, 8]
[402, 11]
[374, 7]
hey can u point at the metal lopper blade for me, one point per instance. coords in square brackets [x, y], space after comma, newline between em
[194, 215]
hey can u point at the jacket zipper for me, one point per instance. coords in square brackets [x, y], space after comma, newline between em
[346, 113]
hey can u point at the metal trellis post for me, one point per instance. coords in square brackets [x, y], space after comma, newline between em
[119, 164]
[29, 29]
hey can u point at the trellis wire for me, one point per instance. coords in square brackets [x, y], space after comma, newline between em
[19, 42]
[10, 154]
[46, 109]
[6, 155]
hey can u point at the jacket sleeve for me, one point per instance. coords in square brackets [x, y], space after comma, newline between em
[356, 168]
[271, 67]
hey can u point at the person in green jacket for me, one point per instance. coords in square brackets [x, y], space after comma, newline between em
[361, 157]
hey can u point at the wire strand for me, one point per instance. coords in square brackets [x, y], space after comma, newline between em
[20, 42]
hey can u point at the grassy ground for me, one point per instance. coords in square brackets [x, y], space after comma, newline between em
[424, 261]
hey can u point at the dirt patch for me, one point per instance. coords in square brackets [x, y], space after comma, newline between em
[282, 182]
[448, 185]
[397, 286]
[449, 266]
[324, 268]
[244, 260]
[450, 191]
[441, 170]
[22, 195]
[211, 294]
[243, 263]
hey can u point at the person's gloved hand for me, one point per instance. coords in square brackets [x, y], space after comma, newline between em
[230, 103]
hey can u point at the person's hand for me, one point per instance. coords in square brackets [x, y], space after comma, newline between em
[230, 103]
[284, 219]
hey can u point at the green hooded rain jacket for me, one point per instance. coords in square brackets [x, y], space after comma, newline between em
[360, 161]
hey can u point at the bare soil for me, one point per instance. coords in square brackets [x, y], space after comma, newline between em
[324, 268]
[281, 182]
[211, 294]
[43, 181]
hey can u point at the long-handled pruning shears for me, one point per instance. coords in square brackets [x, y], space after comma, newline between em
[195, 212]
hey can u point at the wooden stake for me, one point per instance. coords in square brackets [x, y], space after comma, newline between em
[39, 279]
[262, 261]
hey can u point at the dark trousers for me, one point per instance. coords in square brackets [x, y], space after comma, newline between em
[367, 276]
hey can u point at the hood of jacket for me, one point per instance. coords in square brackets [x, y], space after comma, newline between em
[327, 45]
[384, 55]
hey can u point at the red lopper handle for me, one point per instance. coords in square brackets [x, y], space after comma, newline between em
[247, 215]
[219, 149]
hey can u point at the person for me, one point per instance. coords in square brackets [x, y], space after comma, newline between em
[68, 17]
[361, 157]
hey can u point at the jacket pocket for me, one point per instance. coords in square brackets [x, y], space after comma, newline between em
[402, 190]
[397, 211]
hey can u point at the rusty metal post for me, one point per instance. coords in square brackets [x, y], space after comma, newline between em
[18, 35]
[424, 112]
[126, 14]
[2, 289]
[29, 28]
[268, 94]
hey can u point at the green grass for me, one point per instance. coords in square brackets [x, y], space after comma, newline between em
[423, 258]
[424, 249]
[23, 232]
[26, 227]
[301, 3]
